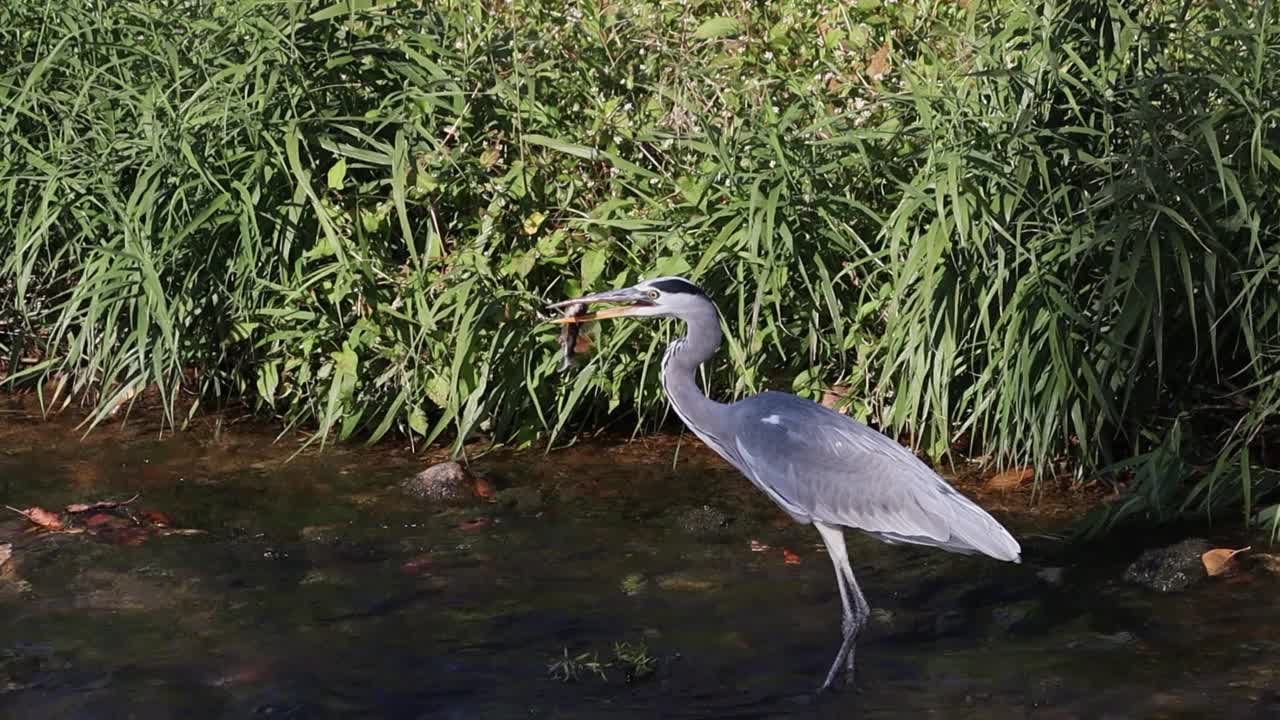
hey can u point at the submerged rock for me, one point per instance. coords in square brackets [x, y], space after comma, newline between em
[1017, 616]
[445, 482]
[1267, 563]
[523, 498]
[1172, 568]
[703, 522]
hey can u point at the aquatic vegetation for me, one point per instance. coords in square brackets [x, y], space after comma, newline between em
[568, 668]
[1045, 232]
[633, 659]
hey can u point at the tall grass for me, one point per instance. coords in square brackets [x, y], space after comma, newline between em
[1046, 229]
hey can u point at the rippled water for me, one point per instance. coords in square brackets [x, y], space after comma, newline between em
[321, 591]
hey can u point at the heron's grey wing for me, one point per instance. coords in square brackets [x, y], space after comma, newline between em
[841, 472]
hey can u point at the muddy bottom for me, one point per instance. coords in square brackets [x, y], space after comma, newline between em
[602, 583]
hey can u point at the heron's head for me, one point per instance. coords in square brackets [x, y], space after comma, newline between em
[660, 297]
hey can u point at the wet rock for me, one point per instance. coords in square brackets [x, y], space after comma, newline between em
[102, 589]
[704, 522]
[524, 499]
[326, 577]
[322, 534]
[951, 623]
[1267, 563]
[447, 482]
[21, 668]
[1170, 569]
[882, 618]
[1104, 641]
[1052, 575]
[1016, 617]
[682, 581]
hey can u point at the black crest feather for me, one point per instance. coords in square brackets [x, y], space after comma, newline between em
[676, 285]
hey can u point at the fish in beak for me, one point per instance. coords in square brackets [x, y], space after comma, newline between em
[627, 302]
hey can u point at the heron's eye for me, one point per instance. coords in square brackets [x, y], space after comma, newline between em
[653, 294]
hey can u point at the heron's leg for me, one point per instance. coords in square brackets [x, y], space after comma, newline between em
[854, 616]
[861, 609]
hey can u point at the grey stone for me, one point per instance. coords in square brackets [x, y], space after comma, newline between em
[446, 482]
[703, 522]
[1170, 569]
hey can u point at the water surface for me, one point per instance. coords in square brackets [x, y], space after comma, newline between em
[319, 590]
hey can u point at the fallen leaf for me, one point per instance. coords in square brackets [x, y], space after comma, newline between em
[132, 536]
[879, 63]
[834, 398]
[6, 552]
[1217, 562]
[157, 518]
[475, 523]
[41, 517]
[99, 505]
[484, 489]
[419, 565]
[789, 557]
[1011, 478]
[757, 546]
[102, 521]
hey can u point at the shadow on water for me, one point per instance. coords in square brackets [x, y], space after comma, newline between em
[321, 591]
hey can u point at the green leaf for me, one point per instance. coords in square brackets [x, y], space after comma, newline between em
[592, 266]
[718, 27]
[438, 391]
[520, 264]
[670, 265]
[574, 149]
[337, 174]
[418, 421]
[532, 222]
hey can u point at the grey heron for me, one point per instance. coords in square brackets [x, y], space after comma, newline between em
[821, 467]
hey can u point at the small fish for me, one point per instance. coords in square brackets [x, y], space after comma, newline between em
[569, 336]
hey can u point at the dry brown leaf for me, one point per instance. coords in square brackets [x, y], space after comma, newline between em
[879, 64]
[40, 517]
[6, 552]
[99, 505]
[1011, 478]
[157, 518]
[1217, 561]
[484, 489]
[834, 398]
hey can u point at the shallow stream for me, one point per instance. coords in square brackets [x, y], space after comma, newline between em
[318, 589]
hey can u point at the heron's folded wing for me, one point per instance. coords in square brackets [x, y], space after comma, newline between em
[841, 472]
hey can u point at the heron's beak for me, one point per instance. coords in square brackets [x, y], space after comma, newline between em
[627, 300]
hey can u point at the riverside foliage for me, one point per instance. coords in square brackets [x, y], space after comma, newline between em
[1043, 231]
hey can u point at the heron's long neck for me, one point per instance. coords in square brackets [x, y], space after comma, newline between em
[680, 367]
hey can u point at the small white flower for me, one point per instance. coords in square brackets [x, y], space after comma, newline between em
[768, 54]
